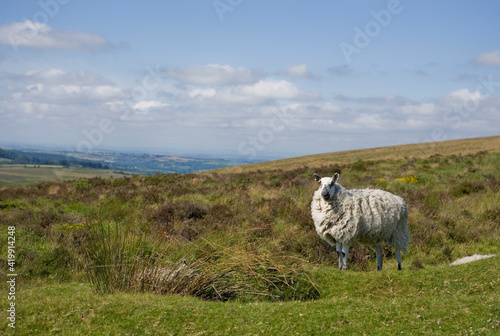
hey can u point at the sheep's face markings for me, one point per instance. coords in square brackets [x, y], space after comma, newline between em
[327, 185]
[327, 189]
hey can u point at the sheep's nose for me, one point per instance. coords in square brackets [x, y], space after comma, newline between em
[325, 195]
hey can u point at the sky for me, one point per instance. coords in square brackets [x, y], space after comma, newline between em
[246, 79]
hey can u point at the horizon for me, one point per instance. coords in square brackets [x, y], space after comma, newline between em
[33, 147]
[254, 81]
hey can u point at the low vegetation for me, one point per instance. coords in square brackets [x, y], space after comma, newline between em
[153, 253]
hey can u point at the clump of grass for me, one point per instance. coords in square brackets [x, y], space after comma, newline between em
[118, 261]
[223, 274]
[110, 257]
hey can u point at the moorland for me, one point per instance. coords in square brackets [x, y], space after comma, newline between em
[233, 251]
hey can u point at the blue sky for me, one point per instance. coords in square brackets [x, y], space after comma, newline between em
[247, 79]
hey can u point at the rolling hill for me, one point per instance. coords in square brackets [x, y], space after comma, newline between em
[234, 251]
[421, 150]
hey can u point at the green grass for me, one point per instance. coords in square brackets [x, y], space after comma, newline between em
[237, 252]
[459, 300]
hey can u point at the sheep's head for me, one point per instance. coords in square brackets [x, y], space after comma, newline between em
[327, 185]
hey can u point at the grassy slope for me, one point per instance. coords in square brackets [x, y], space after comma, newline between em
[422, 150]
[454, 211]
[459, 300]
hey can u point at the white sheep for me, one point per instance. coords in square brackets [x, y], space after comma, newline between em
[368, 216]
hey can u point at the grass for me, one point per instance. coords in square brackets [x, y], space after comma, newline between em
[420, 150]
[460, 300]
[226, 252]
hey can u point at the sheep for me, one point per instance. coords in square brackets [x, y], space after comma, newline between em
[368, 216]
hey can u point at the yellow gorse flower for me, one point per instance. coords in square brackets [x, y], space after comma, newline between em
[409, 179]
[72, 227]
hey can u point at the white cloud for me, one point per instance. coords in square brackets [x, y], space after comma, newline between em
[37, 35]
[66, 93]
[202, 93]
[255, 94]
[419, 109]
[58, 89]
[462, 98]
[214, 74]
[298, 71]
[276, 89]
[58, 76]
[375, 100]
[489, 58]
[45, 74]
[145, 105]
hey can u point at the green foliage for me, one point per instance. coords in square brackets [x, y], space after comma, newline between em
[10, 204]
[82, 185]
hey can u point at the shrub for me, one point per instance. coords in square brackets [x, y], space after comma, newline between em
[82, 185]
[468, 187]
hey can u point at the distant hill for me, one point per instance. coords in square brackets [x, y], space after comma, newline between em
[420, 150]
[46, 158]
[17, 166]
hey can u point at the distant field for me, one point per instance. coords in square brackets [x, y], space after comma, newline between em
[20, 175]
[421, 150]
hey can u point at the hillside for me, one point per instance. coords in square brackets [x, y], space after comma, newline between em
[421, 150]
[236, 252]
[24, 167]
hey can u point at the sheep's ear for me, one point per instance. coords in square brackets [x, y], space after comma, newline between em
[317, 177]
[335, 178]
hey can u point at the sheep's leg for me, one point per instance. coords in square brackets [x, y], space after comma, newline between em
[345, 252]
[398, 257]
[380, 257]
[338, 248]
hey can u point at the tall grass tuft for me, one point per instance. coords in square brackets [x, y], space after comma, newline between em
[111, 257]
[119, 261]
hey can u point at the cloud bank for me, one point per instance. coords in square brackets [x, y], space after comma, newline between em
[220, 106]
[29, 34]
